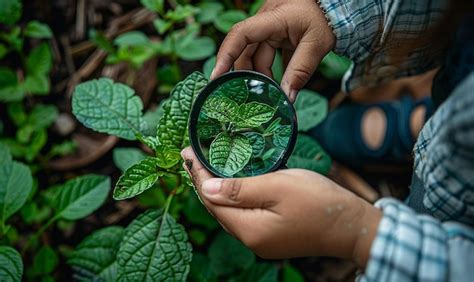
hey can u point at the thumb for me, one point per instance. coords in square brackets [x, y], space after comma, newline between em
[300, 68]
[249, 192]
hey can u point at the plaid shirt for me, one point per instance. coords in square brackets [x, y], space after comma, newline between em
[368, 31]
[411, 246]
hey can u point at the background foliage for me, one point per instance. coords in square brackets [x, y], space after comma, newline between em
[58, 217]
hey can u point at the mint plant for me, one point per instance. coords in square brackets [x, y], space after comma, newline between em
[73, 200]
[242, 129]
[154, 246]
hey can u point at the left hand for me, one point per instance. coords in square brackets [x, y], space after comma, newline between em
[288, 213]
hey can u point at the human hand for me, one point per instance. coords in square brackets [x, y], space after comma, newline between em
[288, 213]
[298, 27]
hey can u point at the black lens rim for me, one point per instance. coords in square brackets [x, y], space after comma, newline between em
[208, 89]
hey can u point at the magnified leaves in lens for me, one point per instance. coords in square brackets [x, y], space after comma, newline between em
[230, 154]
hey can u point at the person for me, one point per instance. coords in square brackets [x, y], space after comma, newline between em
[294, 212]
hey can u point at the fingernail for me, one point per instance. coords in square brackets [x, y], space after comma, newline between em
[285, 86]
[189, 164]
[293, 94]
[212, 73]
[211, 186]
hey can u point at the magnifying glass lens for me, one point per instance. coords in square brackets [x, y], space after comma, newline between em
[244, 127]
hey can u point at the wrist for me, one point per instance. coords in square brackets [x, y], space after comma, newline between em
[365, 233]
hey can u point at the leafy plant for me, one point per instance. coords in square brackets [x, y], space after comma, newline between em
[239, 128]
[154, 239]
[36, 64]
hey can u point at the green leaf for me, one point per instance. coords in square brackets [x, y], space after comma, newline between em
[13, 38]
[201, 270]
[253, 114]
[42, 116]
[167, 158]
[11, 265]
[255, 6]
[274, 125]
[277, 67]
[291, 274]
[334, 66]
[230, 154]
[39, 60]
[208, 11]
[15, 185]
[255, 166]
[154, 248]
[235, 90]
[38, 140]
[229, 255]
[172, 128]
[101, 41]
[308, 154]
[208, 66]
[94, 259]
[45, 261]
[127, 157]
[257, 141]
[259, 272]
[10, 90]
[150, 141]
[311, 109]
[225, 21]
[281, 136]
[268, 154]
[207, 128]
[169, 74]
[181, 12]
[81, 196]
[200, 48]
[197, 214]
[152, 118]
[219, 107]
[35, 29]
[6, 156]
[131, 38]
[3, 51]
[10, 11]
[65, 148]
[137, 179]
[108, 107]
[37, 84]
[153, 5]
[162, 25]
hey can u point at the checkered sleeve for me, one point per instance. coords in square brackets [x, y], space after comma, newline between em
[407, 247]
[444, 157]
[369, 32]
[413, 247]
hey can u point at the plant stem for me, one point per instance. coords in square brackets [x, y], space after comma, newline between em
[259, 129]
[168, 202]
[40, 231]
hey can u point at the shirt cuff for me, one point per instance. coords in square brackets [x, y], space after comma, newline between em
[408, 247]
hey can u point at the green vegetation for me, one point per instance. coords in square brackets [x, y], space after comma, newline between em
[59, 222]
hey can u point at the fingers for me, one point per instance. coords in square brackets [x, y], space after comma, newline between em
[194, 167]
[301, 67]
[263, 59]
[244, 62]
[286, 55]
[259, 192]
[252, 30]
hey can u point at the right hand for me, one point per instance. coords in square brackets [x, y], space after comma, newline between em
[298, 27]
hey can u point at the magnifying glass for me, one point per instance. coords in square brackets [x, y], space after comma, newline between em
[242, 124]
